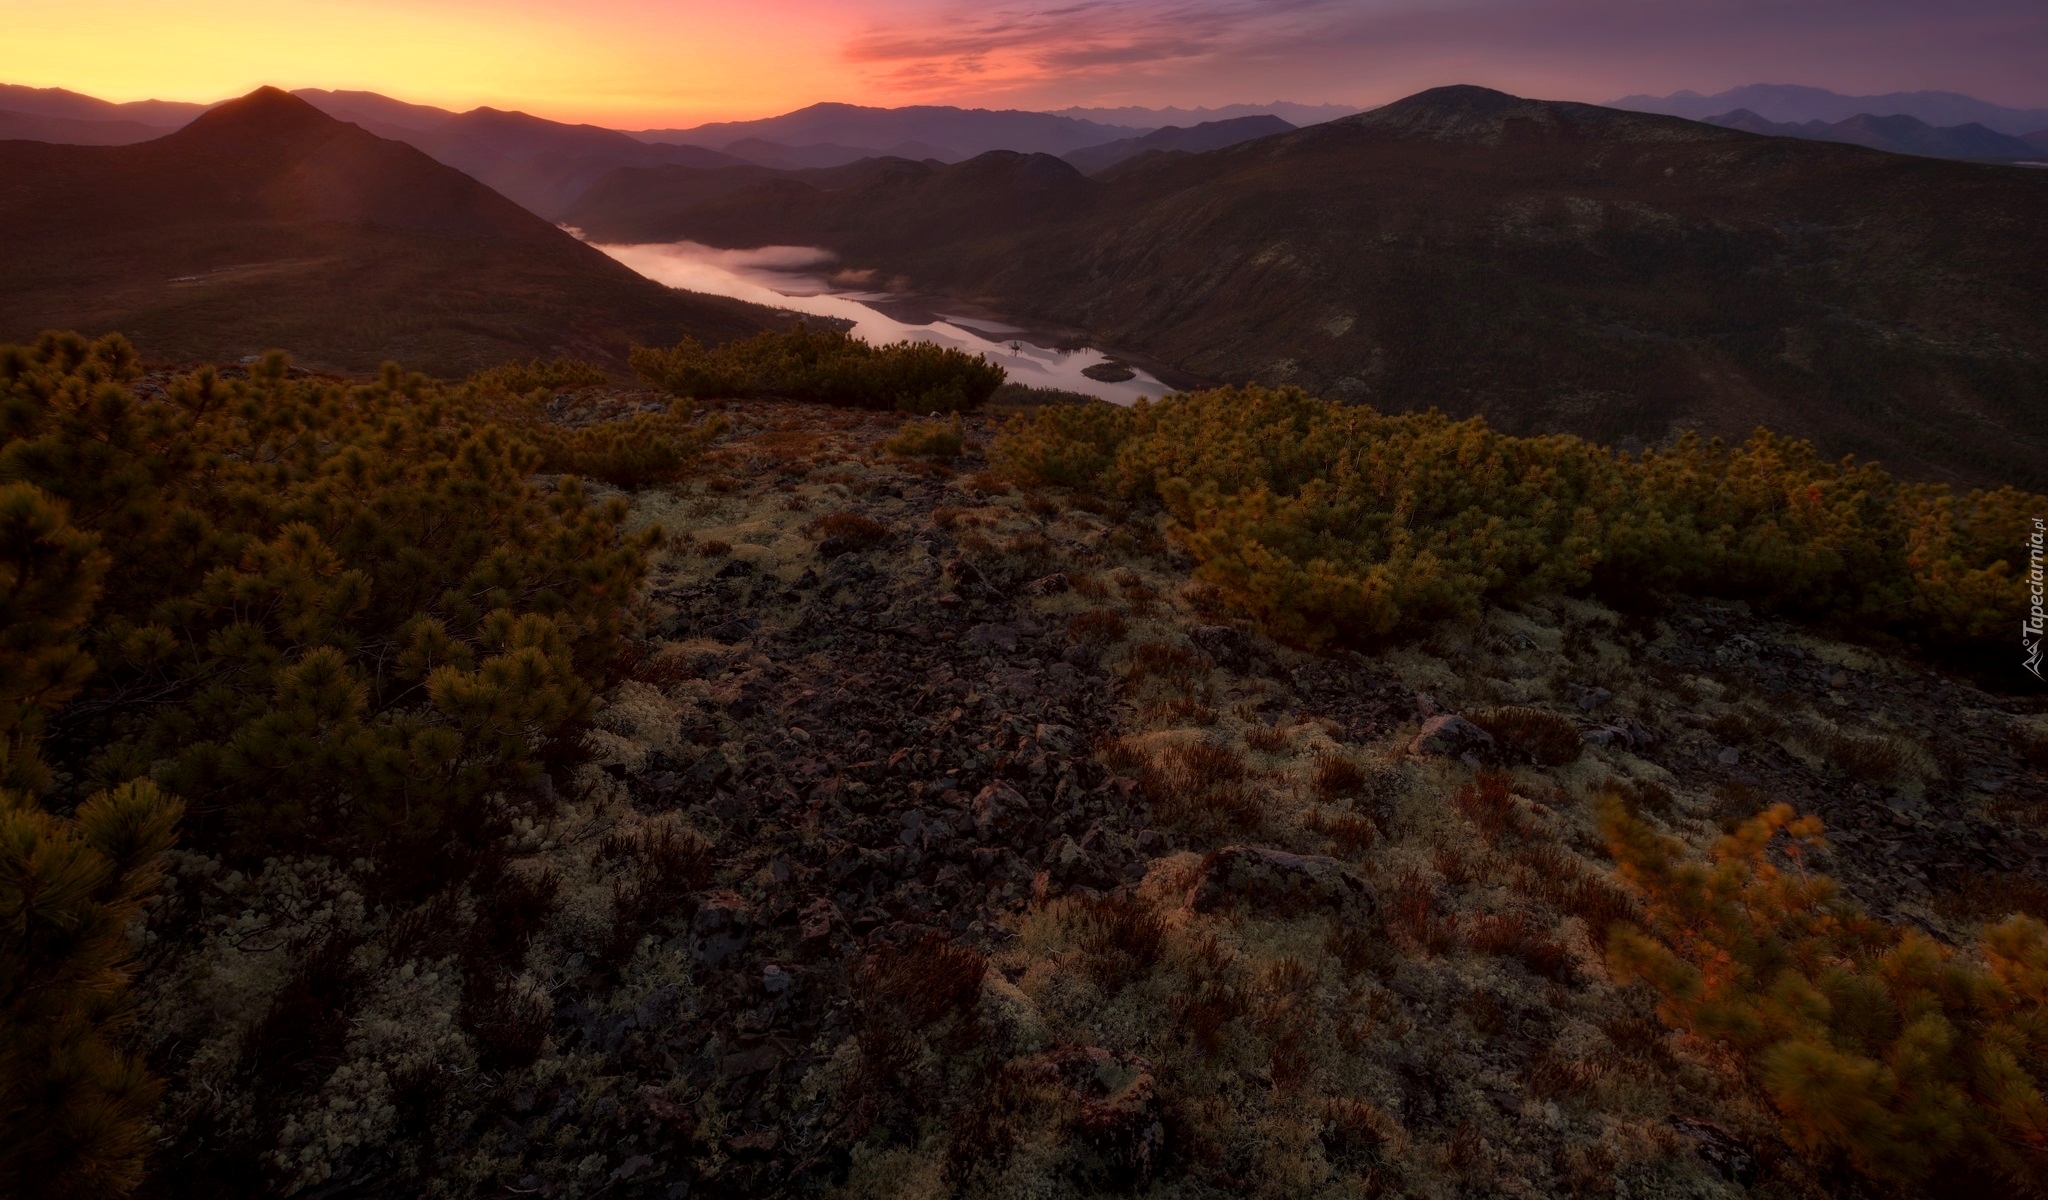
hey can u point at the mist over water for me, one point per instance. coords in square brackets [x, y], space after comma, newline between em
[797, 278]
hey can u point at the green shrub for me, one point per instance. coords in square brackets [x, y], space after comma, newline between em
[825, 366]
[1336, 523]
[641, 450]
[540, 375]
[1921, 1068]
[927, 439]
[1021, 395]
[1067, 445]
[73, 1105]
[334, 618]
[331, 620]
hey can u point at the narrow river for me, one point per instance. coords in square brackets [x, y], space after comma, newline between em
[795, 278]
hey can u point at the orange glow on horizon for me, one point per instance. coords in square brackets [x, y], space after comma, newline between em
[668, 63]
[627, 64]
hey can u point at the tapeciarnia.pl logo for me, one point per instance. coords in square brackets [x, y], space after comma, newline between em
[2037, 620]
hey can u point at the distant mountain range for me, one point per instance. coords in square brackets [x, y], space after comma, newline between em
[1899, 134]
[266, 223]
[1197, 139]
[165, 115]
[547, 165]
[1790, 104]
[960, 132]
[1296, 115]
[1552, 266]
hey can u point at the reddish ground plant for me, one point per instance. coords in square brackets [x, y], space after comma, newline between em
[1337, 776]
[1532, 734]
[1513, 935]
[1353, 833]
[1175, 666]
[855, 530]
[1489, 803]
[1412, 917]
[1098, 627]
[1122, 936]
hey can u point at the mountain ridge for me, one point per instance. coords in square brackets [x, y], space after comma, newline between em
[1550, 265]
[1897, 134]
[1797, 104]
[969, 131]
[1173, 139]
[265, 222]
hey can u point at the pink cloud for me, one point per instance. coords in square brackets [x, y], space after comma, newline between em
[1371, 50]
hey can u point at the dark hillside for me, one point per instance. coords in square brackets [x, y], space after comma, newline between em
[76, 131]
[1899, 134]
[544, 165]
[638, 204]
[1550, 265]
[1197, 139]
[903, 210]
[266, 223]
[965, 131]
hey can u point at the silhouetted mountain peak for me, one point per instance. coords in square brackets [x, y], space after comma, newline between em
[1456, 98]
[265, 113]
[1464, 112]
[1013, 166]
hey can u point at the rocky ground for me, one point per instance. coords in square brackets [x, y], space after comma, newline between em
[943, 839]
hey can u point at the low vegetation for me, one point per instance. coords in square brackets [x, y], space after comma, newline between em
[322, 618]
[826, 366]
[1339, 525]
[927, 439]
[1879, 1047]
[640, 450]
[864, 807]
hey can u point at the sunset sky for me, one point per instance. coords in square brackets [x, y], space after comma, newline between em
[669, 62]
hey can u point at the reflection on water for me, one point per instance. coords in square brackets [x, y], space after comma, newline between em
[795, 278]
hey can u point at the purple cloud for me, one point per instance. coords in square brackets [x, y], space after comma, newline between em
[1149, 51]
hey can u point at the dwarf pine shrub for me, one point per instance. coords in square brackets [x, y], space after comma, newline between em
[641, 450]
[72, 1102]
[1337, 523]
[826, 366]
[329, 619]
[353, 614]
[928, 439]
[1920, 1067]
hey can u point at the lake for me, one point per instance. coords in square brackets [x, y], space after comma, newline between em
[798, 278]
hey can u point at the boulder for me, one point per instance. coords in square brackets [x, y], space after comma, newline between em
[818, 921]
[1119, 1131]
[1230, 648]
[1451, 736]
[992, 639]
[1277, 881]
[719, 929]
[738, 629]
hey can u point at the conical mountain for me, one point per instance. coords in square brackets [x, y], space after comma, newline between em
[267, 223]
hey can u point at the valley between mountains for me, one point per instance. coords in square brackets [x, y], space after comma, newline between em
[1548, 266]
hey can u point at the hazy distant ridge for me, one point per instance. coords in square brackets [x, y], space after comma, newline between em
[1899, 134]
[1793, 104]
[964, 131]
[1294, 114]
